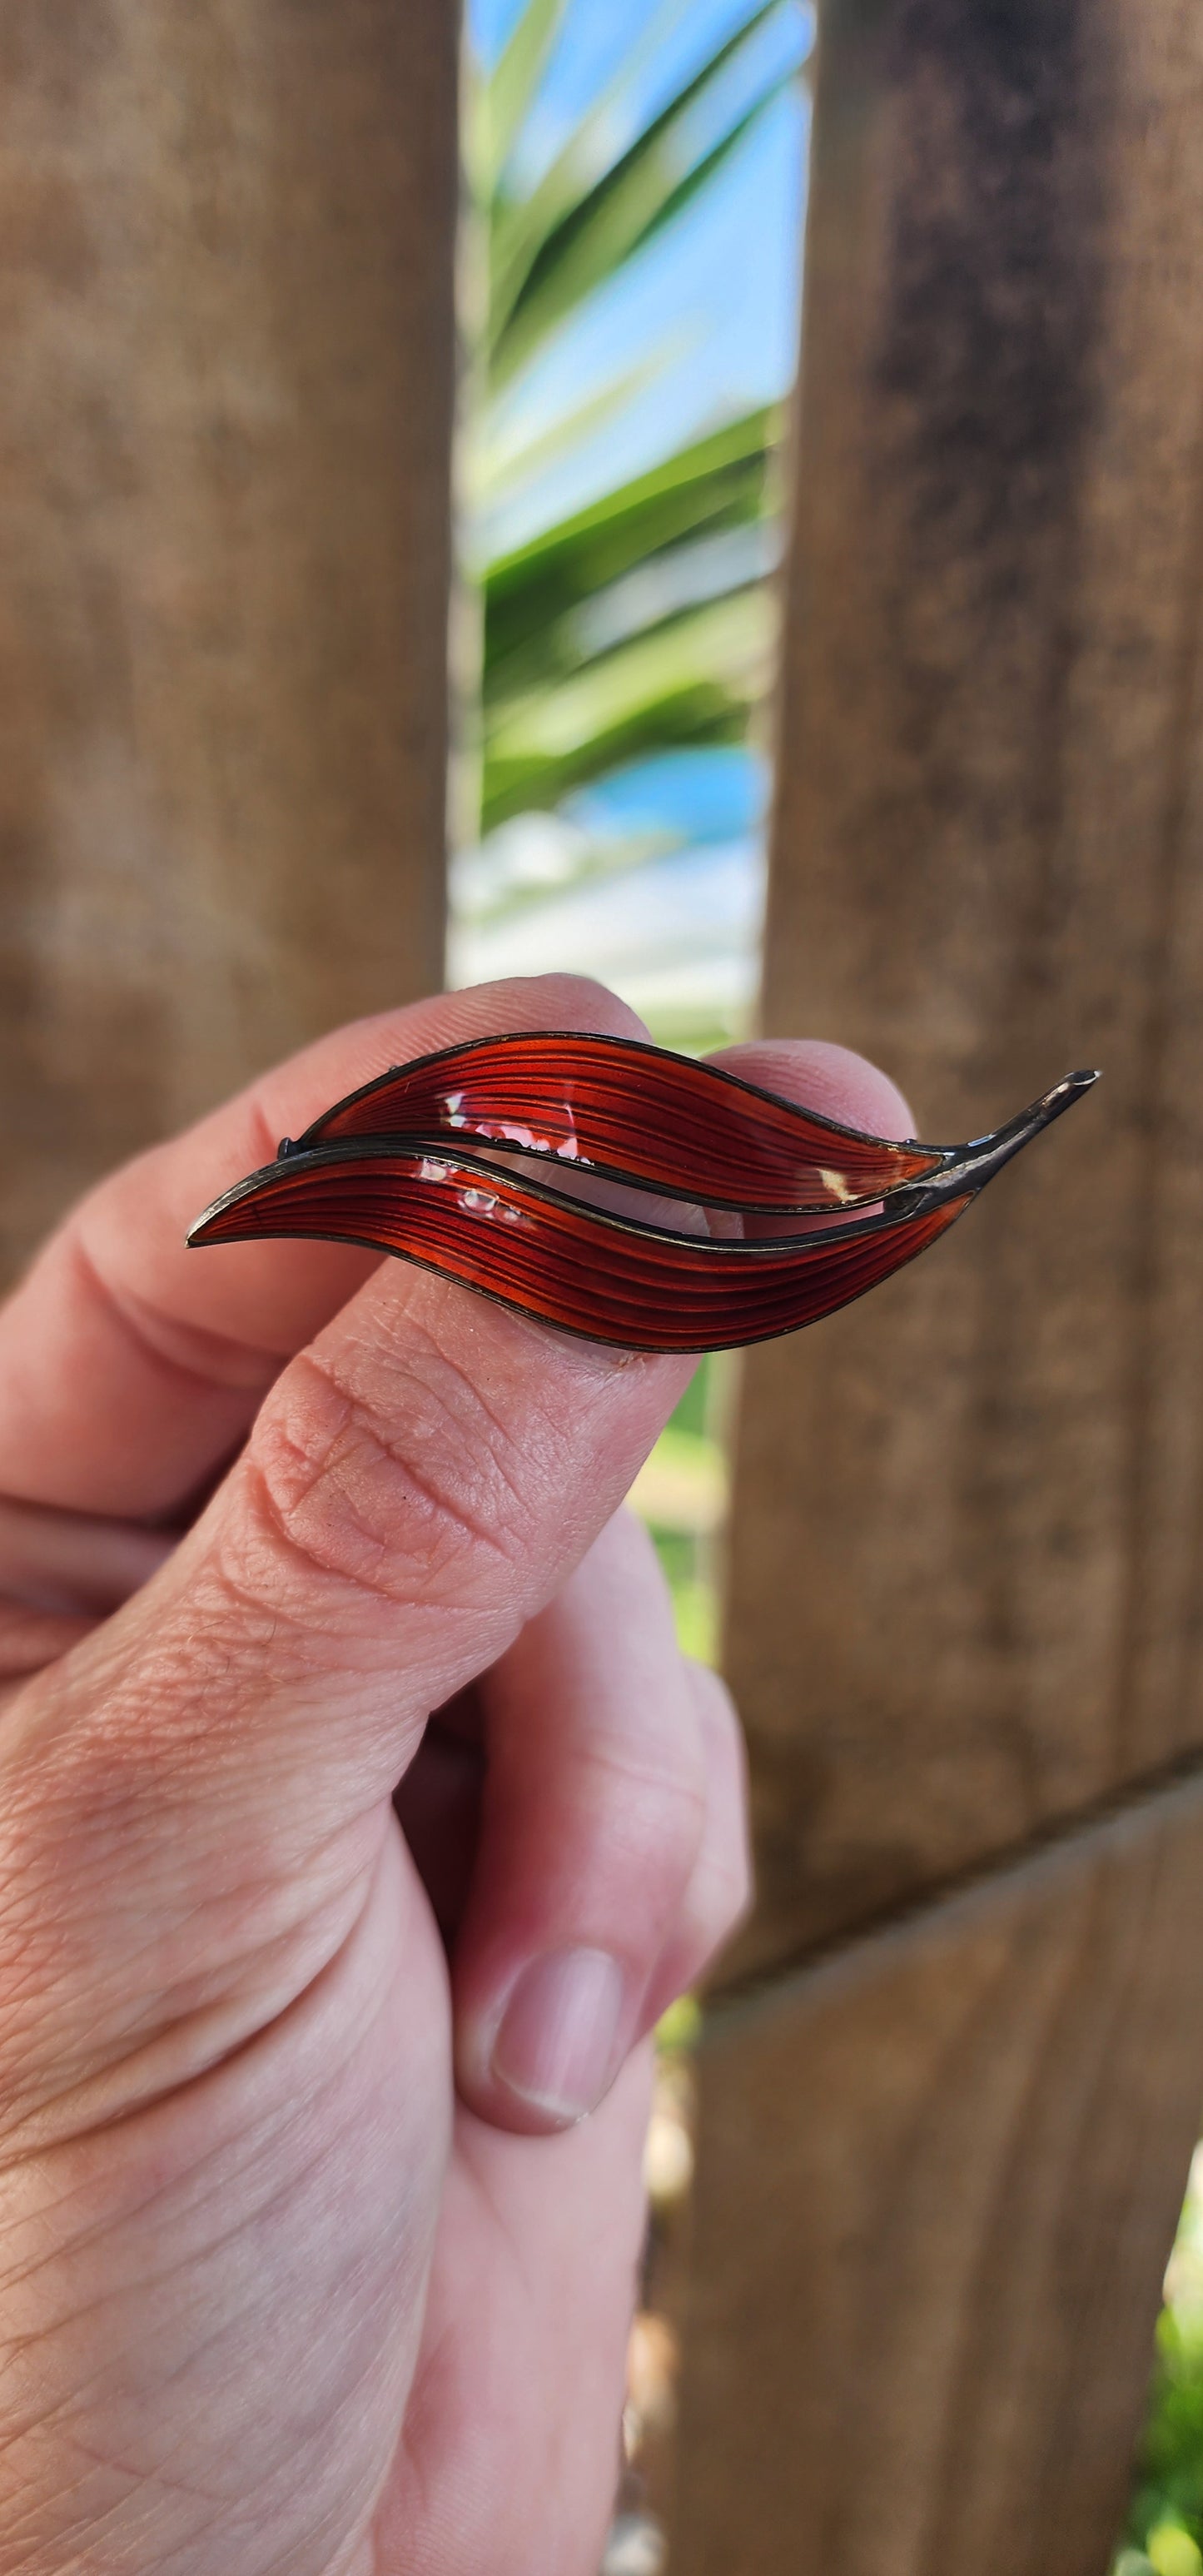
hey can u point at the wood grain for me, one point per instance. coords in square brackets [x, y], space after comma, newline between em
[938, 2180]
[226, 328]
[964, 1593]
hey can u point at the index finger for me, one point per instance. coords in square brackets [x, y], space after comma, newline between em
[130, 1370]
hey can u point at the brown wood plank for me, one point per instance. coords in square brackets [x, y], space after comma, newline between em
[938, 2180]
[226, 330]
[966, 1533]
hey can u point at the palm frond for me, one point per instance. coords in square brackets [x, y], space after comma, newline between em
[584, 221]
[692, 679]
[717, 482]
[642, 621]
[508, 95]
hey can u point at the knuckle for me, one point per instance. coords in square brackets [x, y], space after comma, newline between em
[376, 1475]
[653, 1816]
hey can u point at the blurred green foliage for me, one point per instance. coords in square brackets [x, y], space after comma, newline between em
[644, 620]
[631, 627]
[591, 210]
[1165, 2522]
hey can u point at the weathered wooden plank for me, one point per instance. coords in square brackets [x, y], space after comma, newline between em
[226, 333]
[966, 1536]
[937, 2183]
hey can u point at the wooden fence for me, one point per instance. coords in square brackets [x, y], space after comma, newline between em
[952, 2078]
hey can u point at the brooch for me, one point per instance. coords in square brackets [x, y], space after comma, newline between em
[470, 1162]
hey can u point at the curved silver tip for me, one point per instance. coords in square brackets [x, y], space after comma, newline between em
[1071, 1088]
[974, 1164]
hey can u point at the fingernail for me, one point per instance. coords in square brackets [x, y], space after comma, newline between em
[557, 2047]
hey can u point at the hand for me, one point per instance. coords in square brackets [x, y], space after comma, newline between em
[276, 2292]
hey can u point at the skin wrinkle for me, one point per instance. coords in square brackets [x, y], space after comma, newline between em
[31, 1939]
[80, 1814]
[237, 2160]
[159, 2276]
[68, 2567]
[198, 2019]
[196, 1701]
[425, 1361]
[339, 1634]
[198, 2016]
[169, 2486]
[153, 1731]
[478, 2175]
[421, 1338]
[166, 2483]
[368, 2270]
[75, 2487]
[423, 1664]
[440, 2355]
[467, 1415]
[96, 1786]
[454, 1530]
[266, 2139]
[316, 1908]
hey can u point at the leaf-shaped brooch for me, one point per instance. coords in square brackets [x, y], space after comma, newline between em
[436, 1162]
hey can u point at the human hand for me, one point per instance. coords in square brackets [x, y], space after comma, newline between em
[309, 2259]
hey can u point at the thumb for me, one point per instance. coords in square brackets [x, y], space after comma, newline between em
[193, 1802]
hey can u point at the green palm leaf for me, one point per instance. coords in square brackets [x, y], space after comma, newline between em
[578, 229]
[641, 621]
[717, 482]
[691, 679]
[507, 97]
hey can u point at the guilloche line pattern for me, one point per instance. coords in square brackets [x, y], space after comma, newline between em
[633, 1112]
[564, 1263]
[408, 1165]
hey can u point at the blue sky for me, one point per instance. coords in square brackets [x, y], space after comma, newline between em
[705, 319]
[597, 35]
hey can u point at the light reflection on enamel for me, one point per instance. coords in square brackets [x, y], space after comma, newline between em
[501, 1131]
[476, 1202]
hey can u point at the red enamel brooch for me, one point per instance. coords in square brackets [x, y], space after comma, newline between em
[472, 1163]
